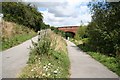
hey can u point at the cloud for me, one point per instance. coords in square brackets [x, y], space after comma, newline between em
[65, 12]
[62, 11]
[70, 1]
[46, 4]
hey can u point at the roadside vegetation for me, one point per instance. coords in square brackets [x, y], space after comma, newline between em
[110, 62]
[23, 14]
[14, 34]
[101, 38]
[48, 58]
[21, 22]
[59, 32]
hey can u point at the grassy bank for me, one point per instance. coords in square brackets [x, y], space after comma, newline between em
[14, 34]
[110, 62]
[48, 59]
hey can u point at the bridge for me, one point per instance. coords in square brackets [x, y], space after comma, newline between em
[72, 29]
[69, 29]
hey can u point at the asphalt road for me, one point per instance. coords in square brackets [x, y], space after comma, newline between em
[84, 66]
[15, 58]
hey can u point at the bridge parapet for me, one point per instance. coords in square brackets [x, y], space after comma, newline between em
[72, 29]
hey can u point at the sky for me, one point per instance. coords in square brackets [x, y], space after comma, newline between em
[64, 12]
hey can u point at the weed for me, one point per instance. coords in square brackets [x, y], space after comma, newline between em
[47, 61]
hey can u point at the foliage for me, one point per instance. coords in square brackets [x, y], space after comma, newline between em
[69, 34]
[103, 41]
[17, 39]
[76, 41]
[83, 44]
[23, 14]
[42, 47]
[81, 33]
[104, 30]
[51, 63]
[58, 31]
[111, 62]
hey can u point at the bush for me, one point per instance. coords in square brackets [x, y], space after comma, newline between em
[81, 33]
[85, 40]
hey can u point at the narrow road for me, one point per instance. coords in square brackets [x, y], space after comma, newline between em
[83, 66]
[15, 58]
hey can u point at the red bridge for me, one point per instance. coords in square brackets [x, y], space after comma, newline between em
[72, 29]
[69, 29]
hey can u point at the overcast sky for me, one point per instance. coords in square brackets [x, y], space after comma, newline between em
[64, 12]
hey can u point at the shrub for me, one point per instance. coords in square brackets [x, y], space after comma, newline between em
[81, 33]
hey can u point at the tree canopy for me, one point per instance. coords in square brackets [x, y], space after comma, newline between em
[104, 30]
[23, 14]
[81, 32]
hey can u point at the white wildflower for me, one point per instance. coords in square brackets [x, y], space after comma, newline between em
[32, 76]
[43, 74]
[55, 71]
[32, 69]
[37, 76]
[49, 64]
[44, 67]
[48, 74]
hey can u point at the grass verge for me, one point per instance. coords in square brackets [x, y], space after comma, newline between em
[110, 62]
[48, 59]
[14, 34]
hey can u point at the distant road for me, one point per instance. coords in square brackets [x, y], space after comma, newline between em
[15, 58]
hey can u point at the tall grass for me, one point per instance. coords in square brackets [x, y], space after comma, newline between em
[48, 59]
[111, 62]
[15, 36]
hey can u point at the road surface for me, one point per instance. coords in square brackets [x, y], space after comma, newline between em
[83, 66]
[15, 58]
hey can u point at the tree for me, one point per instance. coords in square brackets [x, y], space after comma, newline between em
[104, 30]
[81, 32]
[23, 14]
